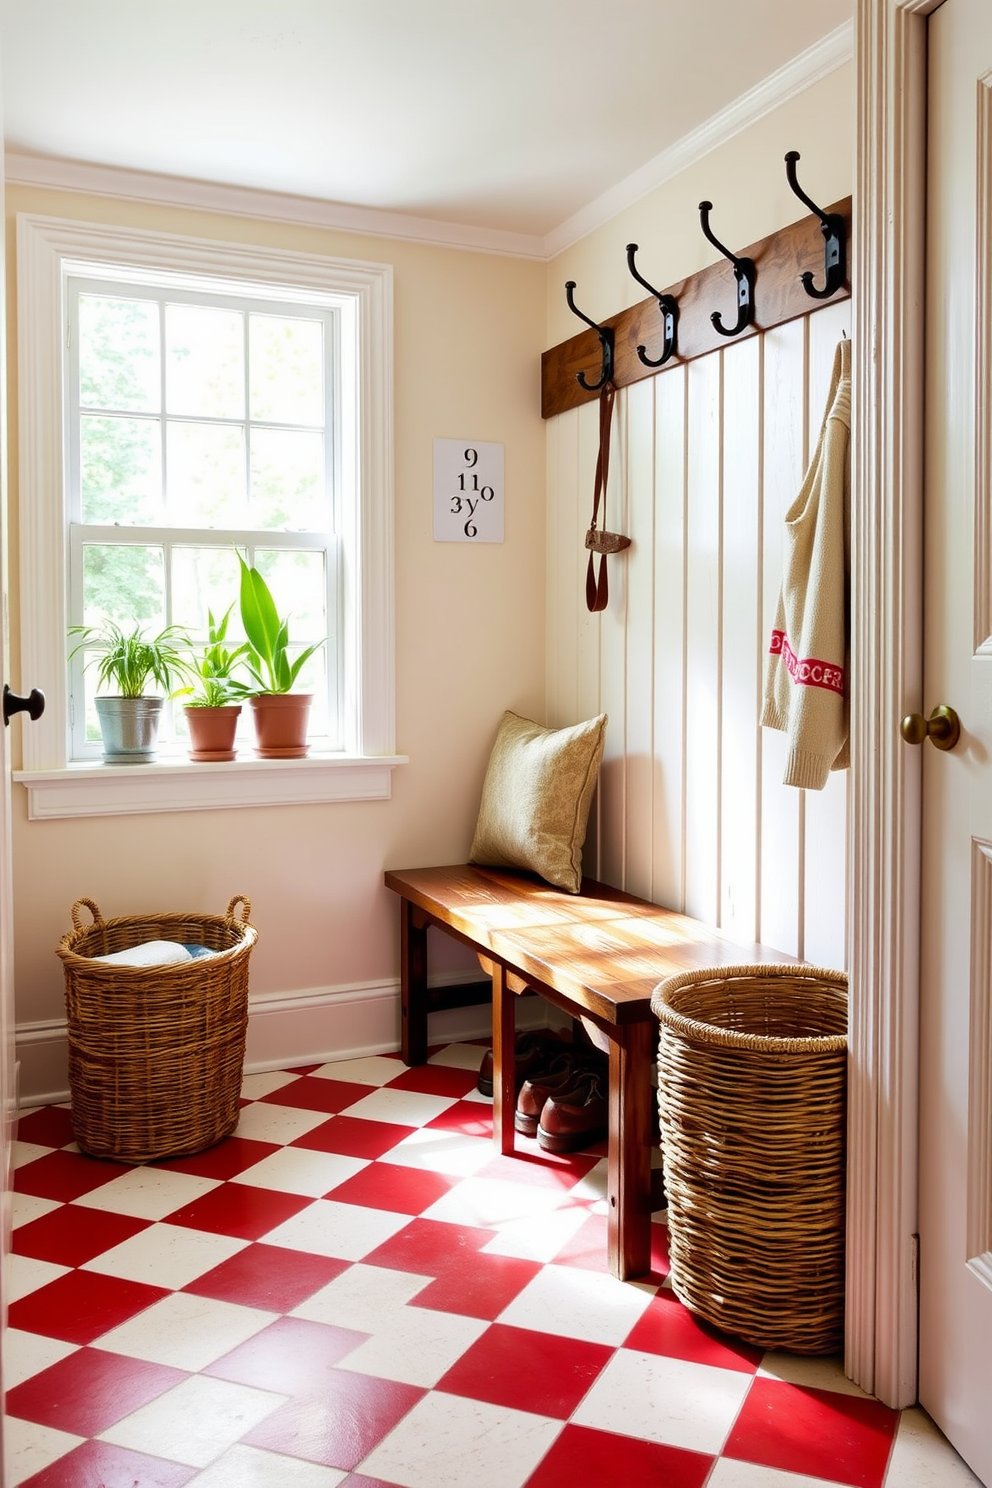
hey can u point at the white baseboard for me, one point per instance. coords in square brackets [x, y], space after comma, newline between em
[288, 1029]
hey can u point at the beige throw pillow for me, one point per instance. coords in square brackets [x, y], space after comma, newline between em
[536, 798]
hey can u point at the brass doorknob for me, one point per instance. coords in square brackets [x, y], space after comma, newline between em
[942, 728]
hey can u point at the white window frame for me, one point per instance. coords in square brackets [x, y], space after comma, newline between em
[362, 770]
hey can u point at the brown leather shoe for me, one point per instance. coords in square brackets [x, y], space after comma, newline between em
[534, 1052]
[558, 1075]
[575, 1115]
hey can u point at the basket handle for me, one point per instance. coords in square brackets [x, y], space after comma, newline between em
[245, 911]
[77, 923]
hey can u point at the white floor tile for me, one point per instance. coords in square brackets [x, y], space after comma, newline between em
[658, 1399]
[25, 1207]
[253, 1087]
[537, 1238]
[459, 1056]
[346, 1232]
[27, 1354]
[184, 1331]
[579, 1304]
[730, 1474]
[147, 1193]
[402, 1107]
[922, 1457]
[297, 1170]
[492, 1203]
[812, 1373]
[448, 1442]
[262, 1122]
[165, 1255]
[195, 1422]
[438, 1151]
[250, 1467]
[363, 1297]
[373, 1070]
[28, 1448]
[592, 1187]
[417, 1346]
[26, 1152]
[23, 1275]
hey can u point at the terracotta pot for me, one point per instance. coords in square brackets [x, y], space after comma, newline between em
[211, 731]
[281, 720]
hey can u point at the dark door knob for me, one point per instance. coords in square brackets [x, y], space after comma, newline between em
[33, 704]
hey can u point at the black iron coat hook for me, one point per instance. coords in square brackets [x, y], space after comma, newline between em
[834, 231]
[745, 273]
[605, 334]
[669, 307]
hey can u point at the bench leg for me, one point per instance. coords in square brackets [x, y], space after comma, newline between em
[413, 984]
[504, 1061]
[629, 1161]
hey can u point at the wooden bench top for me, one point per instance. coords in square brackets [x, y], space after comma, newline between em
[602, 949]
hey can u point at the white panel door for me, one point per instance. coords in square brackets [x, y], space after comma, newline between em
[956, 946]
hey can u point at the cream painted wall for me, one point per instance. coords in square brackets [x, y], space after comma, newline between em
[469, 622]
[745, 180]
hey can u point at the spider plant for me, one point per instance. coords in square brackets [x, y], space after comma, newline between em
[126, 661]
[215, 683]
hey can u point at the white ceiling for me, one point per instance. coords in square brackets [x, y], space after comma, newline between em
[499, 114]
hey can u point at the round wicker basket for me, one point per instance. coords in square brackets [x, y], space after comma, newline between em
[156, 1052]
[752, 1066]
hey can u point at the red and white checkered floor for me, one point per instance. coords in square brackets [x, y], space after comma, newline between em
[355, 1290]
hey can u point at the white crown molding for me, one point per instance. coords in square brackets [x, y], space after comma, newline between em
[795, 77]
[817, 62]
[54, 174]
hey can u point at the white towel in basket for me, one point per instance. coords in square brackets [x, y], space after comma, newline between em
[149, 953]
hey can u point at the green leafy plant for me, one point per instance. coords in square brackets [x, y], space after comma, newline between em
[127, 660]
[216, 683]
[267, 659]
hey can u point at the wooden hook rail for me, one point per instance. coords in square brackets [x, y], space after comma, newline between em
[780, 260]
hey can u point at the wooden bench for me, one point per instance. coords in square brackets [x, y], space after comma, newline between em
[596, 955]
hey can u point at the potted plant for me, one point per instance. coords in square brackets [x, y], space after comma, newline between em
[213, 708]
[280, 715]
[128, 661]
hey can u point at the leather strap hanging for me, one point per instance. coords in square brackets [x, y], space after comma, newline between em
[597, 540]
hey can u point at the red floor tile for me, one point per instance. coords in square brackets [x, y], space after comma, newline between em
[479, 1290]
[844, 1438]
[65, 1175]
[384, 1185]
[435, 1079]
[587, 1248]
[540, 1169]
[311, 1093]
[668, 1328]
[581, 1456]
[356, 1480]
[81, 1305]
[528, 1371]
[228, 1158]
[291, 1356]
[341, 1426]
[470, 1118]
[350, 1136]
[429, 1247]
[268, 1277]
[74, 1234]
[239, 1209]
[49, 1126]
[99, 1465]
[89, 1391]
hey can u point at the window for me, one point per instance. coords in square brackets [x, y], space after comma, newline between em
[209, 398]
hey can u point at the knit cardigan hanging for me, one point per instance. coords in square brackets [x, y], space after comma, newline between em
[806, 681]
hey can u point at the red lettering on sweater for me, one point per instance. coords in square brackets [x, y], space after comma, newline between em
[808, 672]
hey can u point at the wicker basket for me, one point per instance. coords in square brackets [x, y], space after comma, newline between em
[156, 1052]
[751, 1091]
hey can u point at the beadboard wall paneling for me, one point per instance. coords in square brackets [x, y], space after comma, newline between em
[691, 811]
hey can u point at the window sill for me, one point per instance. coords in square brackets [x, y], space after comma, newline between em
[95, 789]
